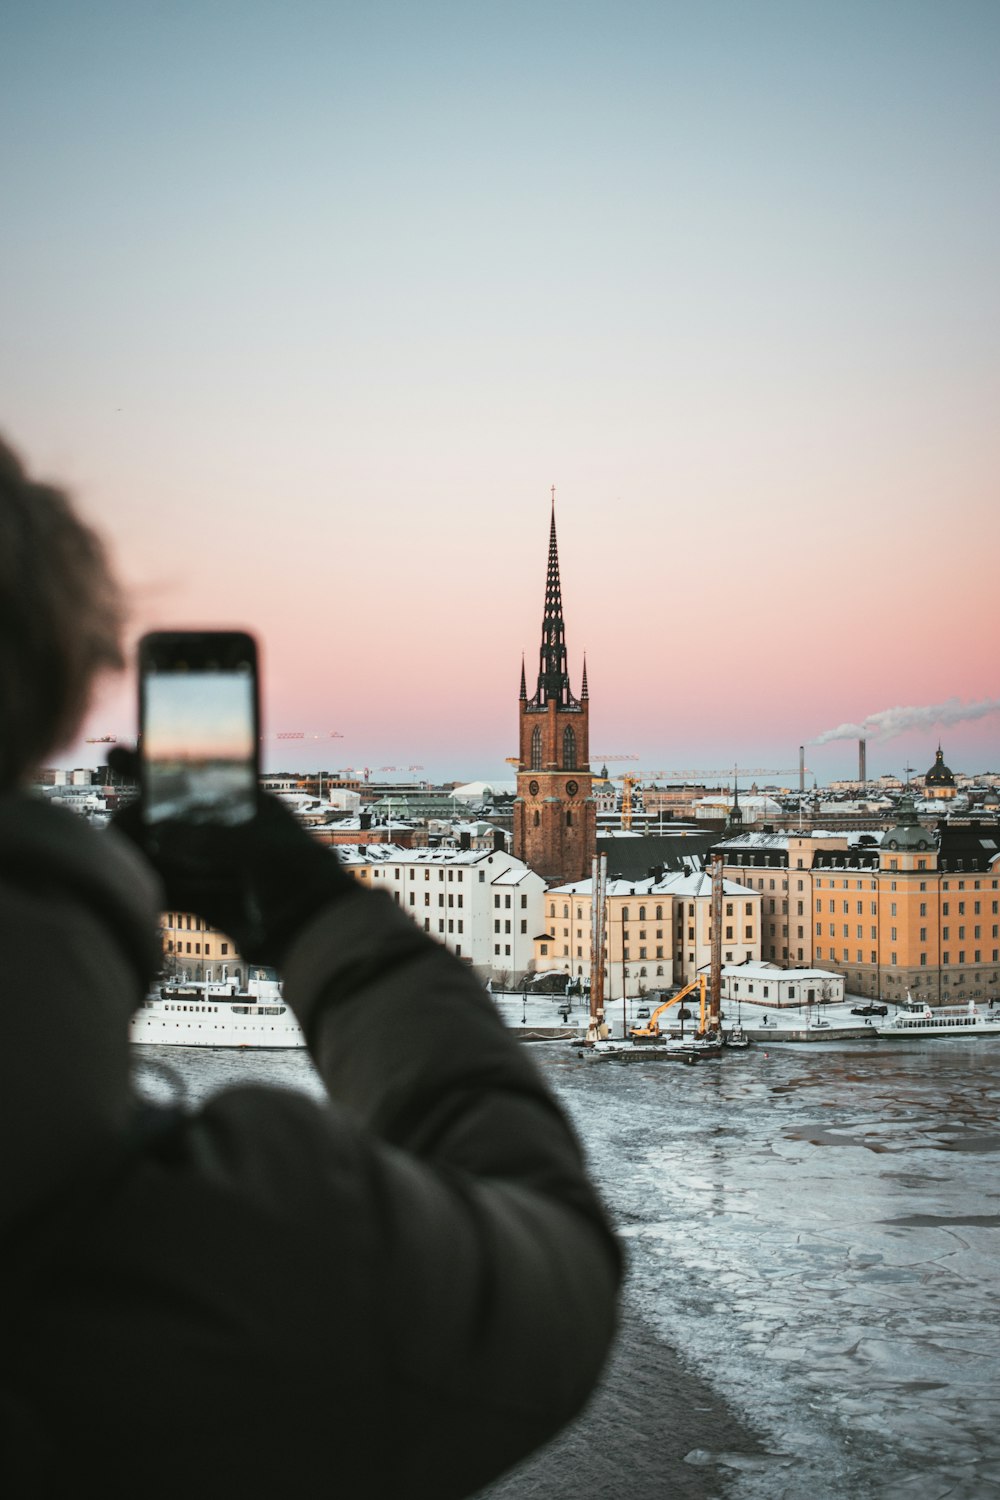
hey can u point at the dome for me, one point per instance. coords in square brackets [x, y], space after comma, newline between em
[939, 774]
[907, 832]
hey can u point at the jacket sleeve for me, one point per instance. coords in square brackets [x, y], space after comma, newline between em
[501, 1272]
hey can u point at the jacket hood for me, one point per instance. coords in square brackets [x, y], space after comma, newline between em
[78, 937]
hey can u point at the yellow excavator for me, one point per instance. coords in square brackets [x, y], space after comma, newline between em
[651, 1031]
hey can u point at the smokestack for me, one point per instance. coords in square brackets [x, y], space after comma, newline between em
[802, 768]
[862, 771]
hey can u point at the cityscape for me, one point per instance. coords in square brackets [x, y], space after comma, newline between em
[888, 888]
[591, 411]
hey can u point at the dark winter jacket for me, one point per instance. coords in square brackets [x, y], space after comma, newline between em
[398, 1293]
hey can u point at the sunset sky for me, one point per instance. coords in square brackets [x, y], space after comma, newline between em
[310, 303]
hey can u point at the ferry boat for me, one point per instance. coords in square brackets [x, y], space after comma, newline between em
[918, 1021]
[219, 1014]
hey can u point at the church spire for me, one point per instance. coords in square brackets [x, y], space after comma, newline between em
[553, 679]
[584, 690]
[524, 686]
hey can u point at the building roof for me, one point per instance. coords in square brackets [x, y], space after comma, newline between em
[681, 883]
[939, 774]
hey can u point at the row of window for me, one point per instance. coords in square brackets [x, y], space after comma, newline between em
[181, 947]
[452, 874]
[962, 957]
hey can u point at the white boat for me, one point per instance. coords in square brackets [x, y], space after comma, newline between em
[918, 1021]
[220, 1014]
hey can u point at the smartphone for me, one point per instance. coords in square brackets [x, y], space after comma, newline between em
[199, 726]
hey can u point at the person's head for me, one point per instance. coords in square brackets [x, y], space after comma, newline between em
[60, 619]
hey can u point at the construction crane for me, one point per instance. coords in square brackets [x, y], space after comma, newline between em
[651, 1031]
[629, 779]
[700, 775]
[300, 734]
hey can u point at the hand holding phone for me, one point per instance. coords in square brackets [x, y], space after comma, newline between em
[224, 850]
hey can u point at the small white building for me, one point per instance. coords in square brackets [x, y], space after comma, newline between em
[767, 985]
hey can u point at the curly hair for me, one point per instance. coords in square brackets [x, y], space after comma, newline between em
[61, 617]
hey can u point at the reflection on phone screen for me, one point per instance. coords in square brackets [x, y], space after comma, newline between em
[198, 746]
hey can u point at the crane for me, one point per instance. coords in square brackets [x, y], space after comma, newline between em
[651, 1031]
[700, 775]
[300, 734]
[629, 779]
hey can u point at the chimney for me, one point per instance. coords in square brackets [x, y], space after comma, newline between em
[499, 840]
[465, 839]
[802, 768]
[364, 821]
[862, 771]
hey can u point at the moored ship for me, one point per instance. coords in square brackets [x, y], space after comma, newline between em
[197, 1014]
[919, 1021]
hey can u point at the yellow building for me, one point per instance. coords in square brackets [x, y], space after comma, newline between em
[658, 931]
[192, 950]
[913, 908]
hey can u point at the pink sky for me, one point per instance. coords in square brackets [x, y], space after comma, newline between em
[310, 326]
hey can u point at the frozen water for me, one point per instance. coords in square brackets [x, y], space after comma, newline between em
[815, 1230]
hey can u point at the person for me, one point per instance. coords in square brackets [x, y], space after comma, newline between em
[401, 1290]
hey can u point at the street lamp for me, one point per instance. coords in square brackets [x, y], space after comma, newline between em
[524, 1000]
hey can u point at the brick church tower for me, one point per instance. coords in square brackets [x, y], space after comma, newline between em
[555, 823]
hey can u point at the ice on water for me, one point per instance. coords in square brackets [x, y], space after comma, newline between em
[815, 1229]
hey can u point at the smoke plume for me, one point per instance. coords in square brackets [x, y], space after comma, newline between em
[890, 722]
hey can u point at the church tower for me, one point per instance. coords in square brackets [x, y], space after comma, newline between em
[555, 823]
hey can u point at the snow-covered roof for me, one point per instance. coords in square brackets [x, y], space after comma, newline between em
[475, 791]
[688, 884]
[771, 971]
[394, 854]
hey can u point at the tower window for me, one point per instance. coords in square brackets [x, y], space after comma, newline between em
[536, 749]
[569, 749]
[537, 818]
[569, 820]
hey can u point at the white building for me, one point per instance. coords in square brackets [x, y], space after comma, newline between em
[483, 904]
[766, 984]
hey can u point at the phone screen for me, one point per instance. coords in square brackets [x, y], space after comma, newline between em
[199, 731]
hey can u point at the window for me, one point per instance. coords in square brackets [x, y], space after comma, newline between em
[536, 751]
[569, 749]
